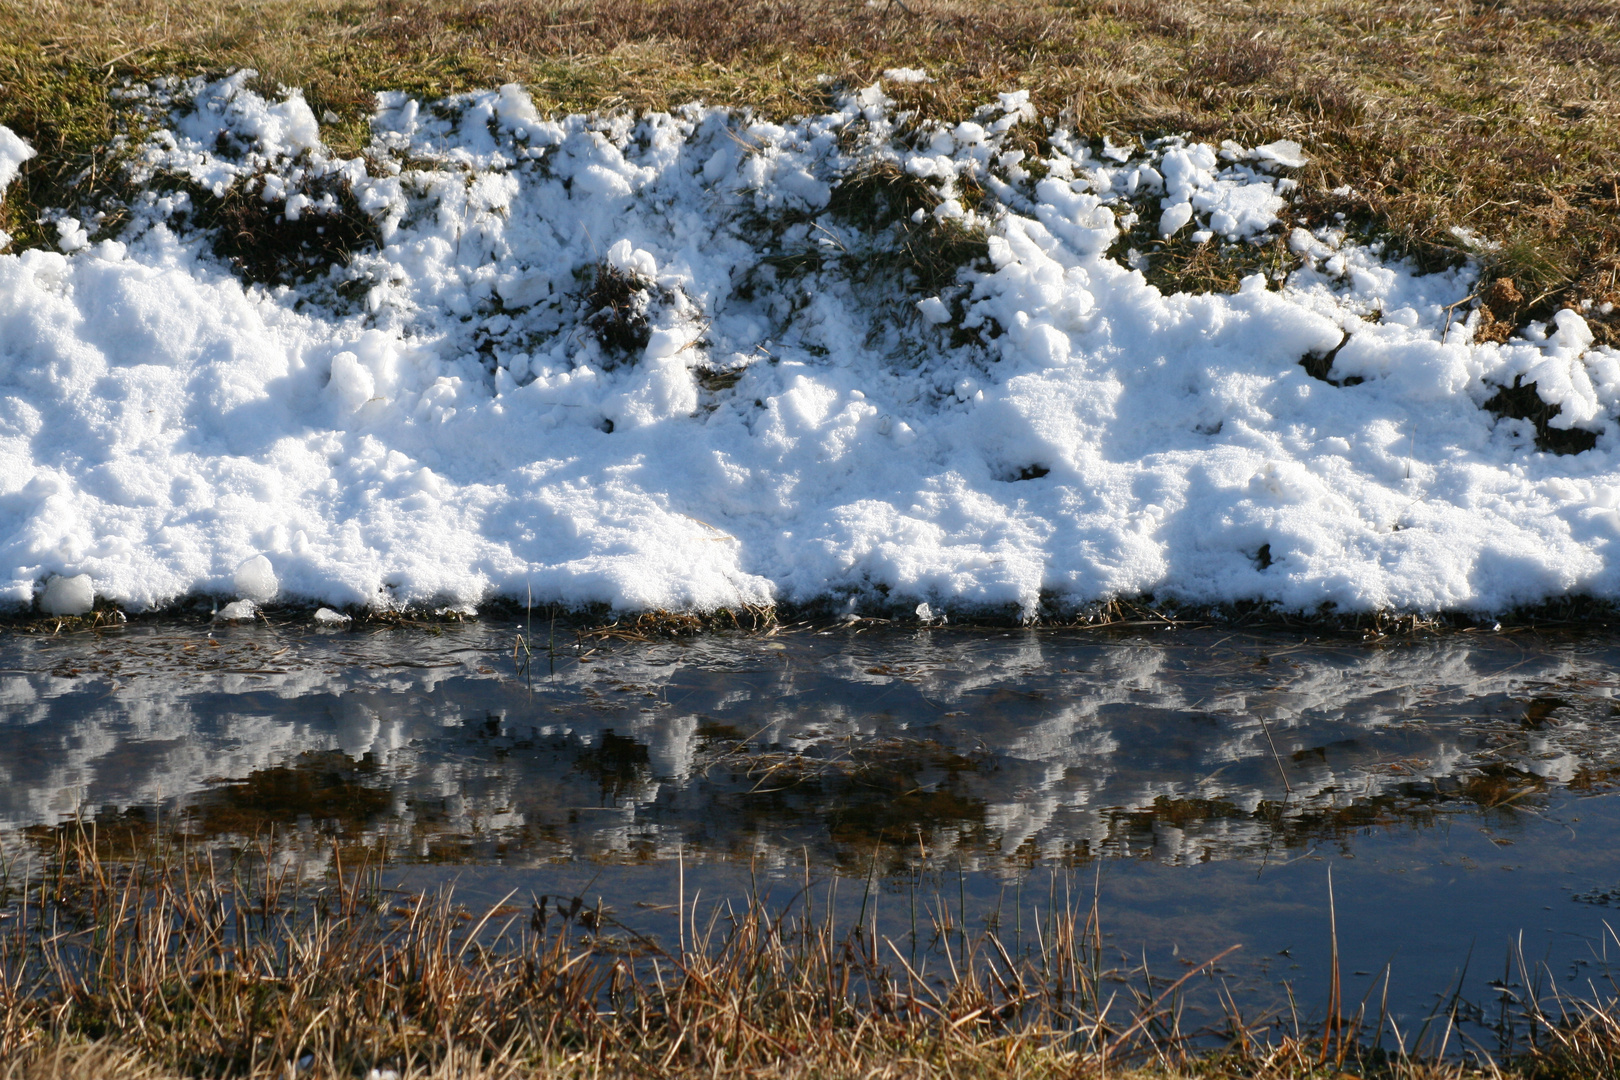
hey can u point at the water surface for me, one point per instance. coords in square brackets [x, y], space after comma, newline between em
[1200, 783]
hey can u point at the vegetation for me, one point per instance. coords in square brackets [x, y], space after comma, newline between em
[1501, 121]
[132, 954]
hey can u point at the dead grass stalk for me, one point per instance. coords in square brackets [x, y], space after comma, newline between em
[169, 960]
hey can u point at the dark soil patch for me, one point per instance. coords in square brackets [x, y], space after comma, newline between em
[262, 244]
[1500, 307]
[1320, 365]
[1523, 402]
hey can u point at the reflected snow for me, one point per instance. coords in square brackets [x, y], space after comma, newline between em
[1181, 747]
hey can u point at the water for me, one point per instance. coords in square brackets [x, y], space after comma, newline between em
[1199, 783]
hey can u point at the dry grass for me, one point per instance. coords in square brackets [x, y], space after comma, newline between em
[1502, 119]
[137, 958]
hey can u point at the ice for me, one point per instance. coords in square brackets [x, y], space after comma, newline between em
[255, 580]
[237, 611]
[1284, 152]
[327, 617]
[456, 414]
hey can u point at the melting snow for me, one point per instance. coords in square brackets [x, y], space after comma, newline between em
[752, 418]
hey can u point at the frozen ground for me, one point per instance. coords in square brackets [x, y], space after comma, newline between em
[694, 360]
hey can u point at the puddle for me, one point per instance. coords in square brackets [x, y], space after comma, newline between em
[1200, 783]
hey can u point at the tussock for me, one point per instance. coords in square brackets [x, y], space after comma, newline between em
[617, 303]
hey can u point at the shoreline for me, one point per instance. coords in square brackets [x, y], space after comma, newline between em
[1574, 614]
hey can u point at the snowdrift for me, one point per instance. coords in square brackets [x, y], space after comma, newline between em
[694, 360]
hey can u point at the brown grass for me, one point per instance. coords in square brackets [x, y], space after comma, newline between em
[1503, 119]
[142, 958]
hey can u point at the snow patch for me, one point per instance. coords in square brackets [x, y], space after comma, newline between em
[950, 400]
[14, 150]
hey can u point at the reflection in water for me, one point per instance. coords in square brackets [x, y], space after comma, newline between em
[1009, 748]
[1457, 784]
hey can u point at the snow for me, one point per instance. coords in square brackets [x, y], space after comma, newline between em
[255, 580]
[441, 420]
[68, 595]
[13, 152]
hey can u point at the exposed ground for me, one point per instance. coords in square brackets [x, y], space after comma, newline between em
[1502, 119]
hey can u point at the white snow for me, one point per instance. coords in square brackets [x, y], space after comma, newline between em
[68, 595]
[255, 580]
[13, 152]
[447, 425]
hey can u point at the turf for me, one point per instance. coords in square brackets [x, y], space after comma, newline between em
[1498, 120]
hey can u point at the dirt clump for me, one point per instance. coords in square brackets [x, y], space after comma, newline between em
[1499, 306]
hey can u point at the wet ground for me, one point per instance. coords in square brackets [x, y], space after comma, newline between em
[1199, 783]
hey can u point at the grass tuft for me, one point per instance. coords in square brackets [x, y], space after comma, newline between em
[130, 958]
[262, 244]
[617, 305]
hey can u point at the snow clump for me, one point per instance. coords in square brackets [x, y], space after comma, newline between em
[255, 580]
[691, 360]
[68, 595]
[14, 150]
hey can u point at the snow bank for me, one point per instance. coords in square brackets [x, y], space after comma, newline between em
[655, 363]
